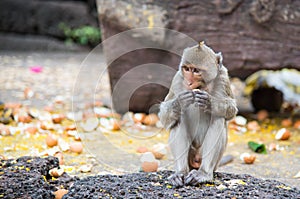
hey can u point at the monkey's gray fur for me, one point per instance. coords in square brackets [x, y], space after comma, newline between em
[197, 119]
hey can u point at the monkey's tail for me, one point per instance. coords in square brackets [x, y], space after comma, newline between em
[225, 160]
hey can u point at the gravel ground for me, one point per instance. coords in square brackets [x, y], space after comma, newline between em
[28, 177]
[155, 185]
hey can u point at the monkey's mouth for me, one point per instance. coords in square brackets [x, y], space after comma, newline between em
[190, 84]
[197, 84]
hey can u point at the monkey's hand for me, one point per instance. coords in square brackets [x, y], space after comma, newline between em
[197, 176]
[176, 179]
[171, 110]
[203, 99]
[224, 107]
[184, 99]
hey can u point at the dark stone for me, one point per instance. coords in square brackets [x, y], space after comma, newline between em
[269, 99]
[252, 35]
[20, 42]
[43, 17]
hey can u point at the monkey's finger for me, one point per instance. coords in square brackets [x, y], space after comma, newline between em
[204, 105]
[187, 99]
[200, 92]
[186, 94]
[202, 101]
[194, 183]
[192, 178]
[188, 179]
[176, 180]
[201, 96]
[173, 182]
[170, 178]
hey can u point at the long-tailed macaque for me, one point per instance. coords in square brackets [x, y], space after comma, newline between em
[196, 111]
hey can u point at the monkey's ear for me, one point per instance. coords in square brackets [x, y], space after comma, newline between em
[201, 44]
[219, 59]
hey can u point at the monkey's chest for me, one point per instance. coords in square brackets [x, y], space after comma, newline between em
[195, 122]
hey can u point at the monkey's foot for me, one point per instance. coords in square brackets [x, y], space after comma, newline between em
[176, 179]
[197, 176]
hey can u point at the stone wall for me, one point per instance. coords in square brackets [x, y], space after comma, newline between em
[251, 34]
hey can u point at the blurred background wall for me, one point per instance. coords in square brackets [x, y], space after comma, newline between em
[48, 24]
[251, 34]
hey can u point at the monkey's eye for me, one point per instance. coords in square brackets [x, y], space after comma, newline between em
[185, 68]
[196, 71]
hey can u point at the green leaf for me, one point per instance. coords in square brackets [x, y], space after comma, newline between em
[256, 147]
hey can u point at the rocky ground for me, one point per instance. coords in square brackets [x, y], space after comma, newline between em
[28, 177]
[43, 85]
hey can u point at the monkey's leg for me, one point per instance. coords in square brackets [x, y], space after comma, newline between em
[212, 149]
[179, 146]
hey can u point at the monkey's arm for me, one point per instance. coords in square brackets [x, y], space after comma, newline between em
[224, 103]
[224, 107]
[169, 113]
[172, 109]
[175, 103]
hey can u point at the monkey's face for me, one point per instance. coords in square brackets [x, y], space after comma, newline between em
[196, 77]
[192, 77]
[199, 66]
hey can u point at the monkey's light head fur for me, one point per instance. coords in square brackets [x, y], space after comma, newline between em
[203, 57]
